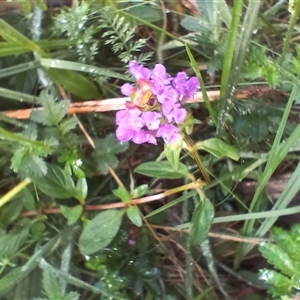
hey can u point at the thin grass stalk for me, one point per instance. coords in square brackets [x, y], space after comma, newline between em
[234, 27]
[275, 158]
[240, 51]
[289, 192]
[288, 37]
[188, 284]
[195, 67]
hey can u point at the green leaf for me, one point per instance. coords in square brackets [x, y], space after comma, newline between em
[67, 125]
[11, 242]
[8, 281]
[81, 189]
[161, 169]
[56, 183]
[134, 216]
[72, 214]
[201, 221]
[10, 212]
[100, 231]
[172, 152]
[53, 111]
[277, 257]
[281, 285]
[105, 153]
[51, 285]
[122, 193]
[218, 148]
[77, 66]
[140, 191]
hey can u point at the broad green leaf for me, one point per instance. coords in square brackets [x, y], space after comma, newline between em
[37, 230]
[56, 183]
[161, 169]
[218, 148]
[134, 216]
[10, 212]
[122, 193]
[277, 257]
[201, 221]
[100, 231]
[81, 189]
[140, 191]
[172, 152]
[105, 153]
[72, 214]
[146, 11]
[74, 83]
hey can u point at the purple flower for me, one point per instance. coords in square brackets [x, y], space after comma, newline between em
[156, 106]
[169, 132]
[186, 87]
[144, 136]
[152, 119]
[139, 71]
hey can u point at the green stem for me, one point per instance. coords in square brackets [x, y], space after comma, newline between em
[13, 192]
[240, 50]
[234, 27]
[194, 153]
[294, 17]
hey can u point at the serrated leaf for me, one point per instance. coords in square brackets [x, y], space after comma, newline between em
[281, 285]
[32, 166]
[67, 125]
[134, 216]
[122, 193]
[105, 153]
[100, 231]
[72, 214]
[51, 285]
[161, 169]
[278, 258]
[18, 157]
[12, 241]
[53, 112]
[218, 148]
[56, 183]
[202, 219]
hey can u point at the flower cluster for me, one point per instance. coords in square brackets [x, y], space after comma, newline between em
[156, 106]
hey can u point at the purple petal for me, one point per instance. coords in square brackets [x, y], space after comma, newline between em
[139, 71]
[179, 114]
[193, 85]
[152, 119]
[169, 132]
[140, 137]
[130, 119]
[127, 89]
[124, 134]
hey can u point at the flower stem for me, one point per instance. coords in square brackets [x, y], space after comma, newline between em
[194, 153]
